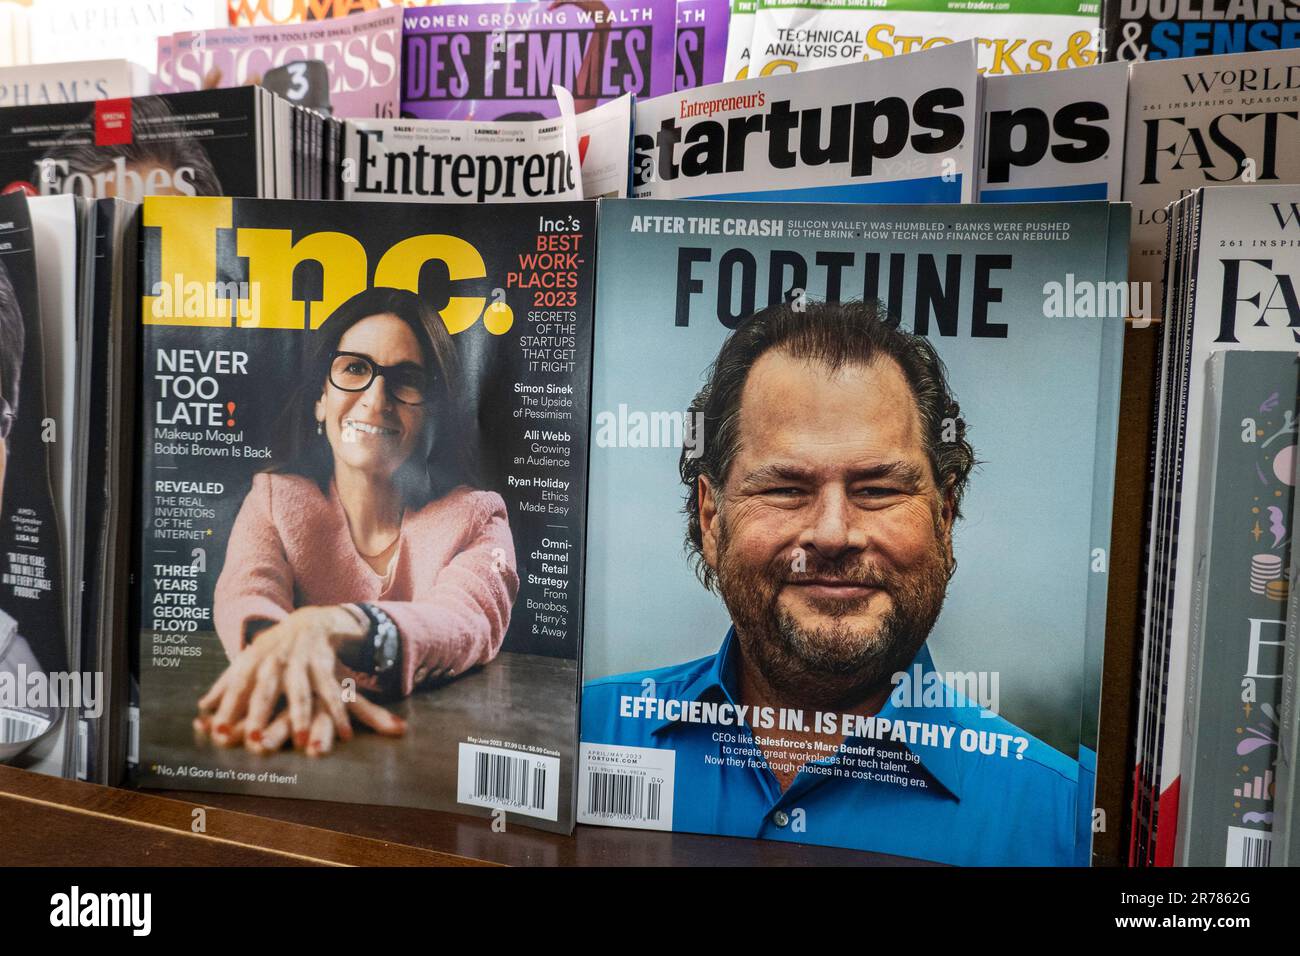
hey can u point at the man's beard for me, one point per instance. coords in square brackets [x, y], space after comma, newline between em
[841, 663]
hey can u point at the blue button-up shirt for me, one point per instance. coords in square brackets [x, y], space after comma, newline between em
[966, 808]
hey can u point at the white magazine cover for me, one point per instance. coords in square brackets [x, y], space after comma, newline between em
[1054, 136]
[1245, 298]
[605, 148]
[899, 130]
[414, 160]
[1201, 121]
[77, 82]
[1013, 36]
[62, 30]
[740, 32]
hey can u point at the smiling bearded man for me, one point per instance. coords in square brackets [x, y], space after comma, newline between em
[821, 510]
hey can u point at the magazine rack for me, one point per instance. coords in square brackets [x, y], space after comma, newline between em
[52, 821]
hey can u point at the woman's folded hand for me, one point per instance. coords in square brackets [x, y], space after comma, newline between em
[286, 685]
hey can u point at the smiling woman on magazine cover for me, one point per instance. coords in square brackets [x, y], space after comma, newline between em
[365, 552]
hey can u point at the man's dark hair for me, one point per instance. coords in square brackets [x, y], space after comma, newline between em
[13, 335]
[157, 138]
[835, 335]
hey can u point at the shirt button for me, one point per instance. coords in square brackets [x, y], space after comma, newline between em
[780, 818]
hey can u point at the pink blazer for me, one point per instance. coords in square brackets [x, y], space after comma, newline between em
[452, 588]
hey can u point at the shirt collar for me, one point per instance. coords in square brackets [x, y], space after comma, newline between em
[943, 763]
[719, 681]
[716, 681]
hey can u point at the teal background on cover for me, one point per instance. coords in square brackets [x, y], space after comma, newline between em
[1018, 602]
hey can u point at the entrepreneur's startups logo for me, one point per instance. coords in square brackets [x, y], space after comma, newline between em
[78, 909]
[633, 428]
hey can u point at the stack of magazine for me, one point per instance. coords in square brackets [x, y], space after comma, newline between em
[238, 142]
[1220, 564]
[1192, 123]
[68, 296]
[412, 503]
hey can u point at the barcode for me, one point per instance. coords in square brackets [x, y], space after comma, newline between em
[611, 794]
[1255, 852]
[1248, 847]
[133, 736]
[507, 779]
[83, 749]
[626, 786]
[17, 727]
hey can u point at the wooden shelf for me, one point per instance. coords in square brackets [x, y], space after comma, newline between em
[49, 821]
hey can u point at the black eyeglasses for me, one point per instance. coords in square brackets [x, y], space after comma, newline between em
[354, 372]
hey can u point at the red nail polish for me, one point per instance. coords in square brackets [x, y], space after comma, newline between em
[300, 739]
[223, 730]
[346, 733]
[255, 736]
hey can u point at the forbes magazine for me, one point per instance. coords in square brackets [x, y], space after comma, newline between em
[838, 438]
[363, 484]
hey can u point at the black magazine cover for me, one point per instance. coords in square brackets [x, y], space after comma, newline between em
[1164, 30]
[208, 143]
[1237, 639]
[33, 646]
[363, 491]
[107, 457]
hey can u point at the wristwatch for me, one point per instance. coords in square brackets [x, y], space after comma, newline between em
[381, 651]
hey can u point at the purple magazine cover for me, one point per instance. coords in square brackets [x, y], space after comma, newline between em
[701, 42]
[498, 61]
